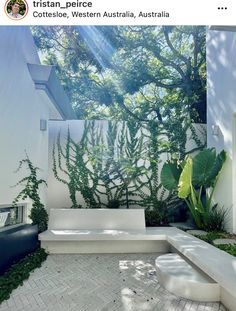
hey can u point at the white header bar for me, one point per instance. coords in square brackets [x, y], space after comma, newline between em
[122, 12]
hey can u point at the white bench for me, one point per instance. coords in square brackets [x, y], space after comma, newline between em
[92, 230]
[123, 231]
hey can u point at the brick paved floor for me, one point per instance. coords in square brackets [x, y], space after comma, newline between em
[114, 282]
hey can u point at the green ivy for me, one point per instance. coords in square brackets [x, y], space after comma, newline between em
[72, 161]
[19, 272]
[31, 183]
[120, 164]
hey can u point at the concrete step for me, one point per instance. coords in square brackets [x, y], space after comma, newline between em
[182, 279]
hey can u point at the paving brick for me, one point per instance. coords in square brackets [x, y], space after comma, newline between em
[107, 282]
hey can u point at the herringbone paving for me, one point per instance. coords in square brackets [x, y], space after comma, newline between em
[109, 282]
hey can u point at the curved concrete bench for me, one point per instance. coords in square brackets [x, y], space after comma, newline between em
[184, 280]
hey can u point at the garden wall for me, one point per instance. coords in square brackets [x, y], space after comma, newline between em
[221, 110]
[118, 154]
[21, 110]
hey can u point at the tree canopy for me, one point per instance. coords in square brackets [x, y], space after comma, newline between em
[139, 73]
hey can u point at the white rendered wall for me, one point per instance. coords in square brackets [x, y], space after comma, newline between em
[21, 108]
[221, 75]
[58, 194]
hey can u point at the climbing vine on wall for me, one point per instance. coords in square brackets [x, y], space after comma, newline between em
[77, 169]
[30, 190]
[118, 164]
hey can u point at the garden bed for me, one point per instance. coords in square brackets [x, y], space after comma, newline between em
[20, 272]
[210, 237]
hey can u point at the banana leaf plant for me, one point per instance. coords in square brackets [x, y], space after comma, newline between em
[194, 180]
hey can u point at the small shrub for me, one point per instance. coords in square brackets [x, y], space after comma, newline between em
[229, 248]
[211, 236]
[19, 272]
[214, 219]
[113, 204]
[39, 216]
[157, 216]
[152, 218]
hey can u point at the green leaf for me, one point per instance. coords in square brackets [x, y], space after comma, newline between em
[218, 164]
[170, 175]
[202, 166]
[185, 180]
